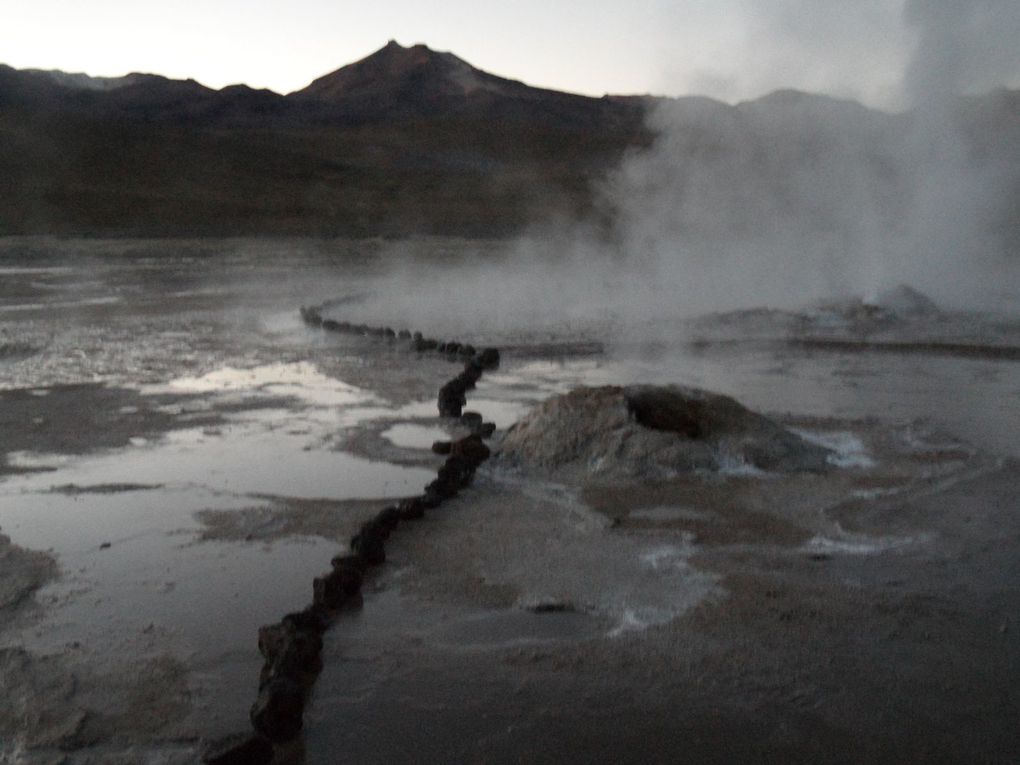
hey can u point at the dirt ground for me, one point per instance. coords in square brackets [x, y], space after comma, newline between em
[867, 614]
[863, 615]
[780, 650]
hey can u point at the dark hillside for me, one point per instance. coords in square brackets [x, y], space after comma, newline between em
[410, 140]
[391, 145]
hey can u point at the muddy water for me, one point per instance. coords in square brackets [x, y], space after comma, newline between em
[147, 387]
[217, 401]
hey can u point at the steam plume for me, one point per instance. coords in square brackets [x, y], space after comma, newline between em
[963, 46]
[793, 198]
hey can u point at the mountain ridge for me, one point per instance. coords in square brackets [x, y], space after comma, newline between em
[405, 140]
[408, 140]
[394, 82]
[384, 83]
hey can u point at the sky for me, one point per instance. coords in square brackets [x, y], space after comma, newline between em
[882, 52]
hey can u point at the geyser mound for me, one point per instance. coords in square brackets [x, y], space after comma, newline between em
[645, 431]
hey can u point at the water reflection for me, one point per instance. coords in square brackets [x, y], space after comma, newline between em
[411, 436]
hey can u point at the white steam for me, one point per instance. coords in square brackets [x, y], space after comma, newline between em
[794, 198]
[791, 198]
[963, 47]
[783, 201]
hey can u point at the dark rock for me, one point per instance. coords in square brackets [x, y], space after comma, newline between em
[239, 749]
[332, 326]
[451, 398]
[312, 619]
[472, 449]
[450, 407]
[432, 498]
[388, 519]
[486, 429]
[440, 490]
[459, 385]
[338, 588]
[411, 509]
[472, 372]
[467, 351]
[441, 447]
[369, 545]
[463, 382]
[276, 713]
[375, 528]
[311, 316]
[488, 358]
[466, 465]
[551, 607]
[456, 472]
[289, 652]
[471, 419]
[344, 326]
[353, 562]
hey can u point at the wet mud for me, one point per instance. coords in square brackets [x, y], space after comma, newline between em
[292, 647]
[866, 614]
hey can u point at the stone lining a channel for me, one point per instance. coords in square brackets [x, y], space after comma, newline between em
[292, 647]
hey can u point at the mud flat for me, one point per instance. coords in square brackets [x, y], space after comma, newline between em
[180, 483]
[865, 615]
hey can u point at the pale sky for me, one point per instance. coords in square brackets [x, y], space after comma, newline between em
[872, 50]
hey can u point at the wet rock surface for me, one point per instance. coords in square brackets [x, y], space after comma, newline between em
[82, 418]
[277, 712]
[614, 432]
[775, 640]
[45, 712]
[239, 749]
[22, 572]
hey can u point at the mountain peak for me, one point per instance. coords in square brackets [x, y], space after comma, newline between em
[395, 70]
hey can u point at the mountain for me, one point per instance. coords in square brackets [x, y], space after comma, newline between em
[412, 140]
[394, 83]
[31, 88]
[417, 73]
[405, 140]
[82, 81]
[399, 82]
[135, 97]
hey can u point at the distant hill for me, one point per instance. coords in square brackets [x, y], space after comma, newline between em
[407, 140]
[393, 83]
[420, 82]
[82, 81]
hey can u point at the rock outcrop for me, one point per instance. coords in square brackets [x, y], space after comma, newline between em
[616, 433]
